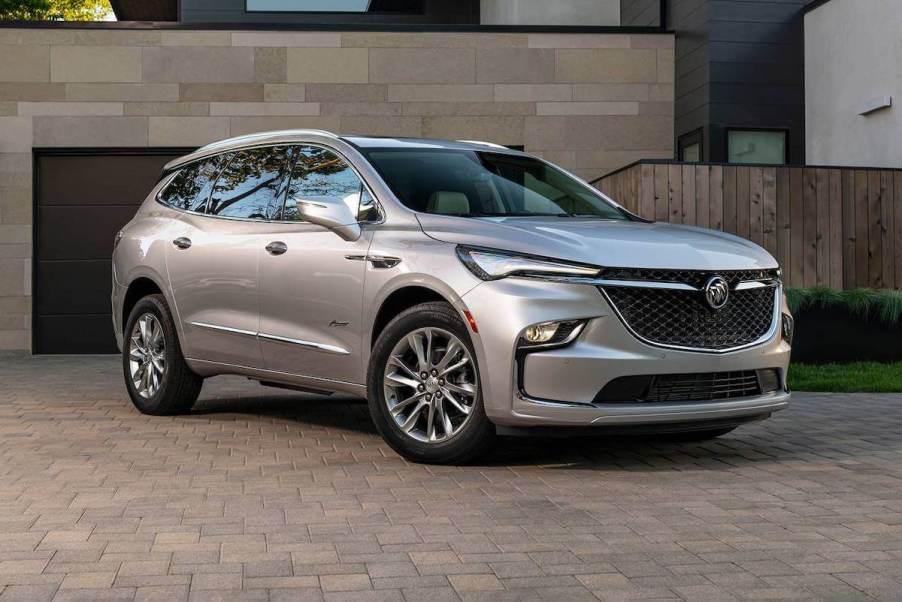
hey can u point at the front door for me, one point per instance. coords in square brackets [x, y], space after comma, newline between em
[311, 280]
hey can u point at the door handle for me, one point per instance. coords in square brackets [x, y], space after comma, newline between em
[182, 242]
[276, 248]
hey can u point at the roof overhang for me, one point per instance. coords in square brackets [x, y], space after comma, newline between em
[145, 10]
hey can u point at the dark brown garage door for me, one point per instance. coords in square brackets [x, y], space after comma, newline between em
[81, 200]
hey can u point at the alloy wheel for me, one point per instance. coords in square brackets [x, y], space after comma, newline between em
[147, 355]
[430, 385]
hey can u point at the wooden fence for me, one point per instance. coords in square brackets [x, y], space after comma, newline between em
[832, 226]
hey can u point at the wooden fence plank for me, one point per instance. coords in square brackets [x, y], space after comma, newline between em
[675, 198]
[861, 228]
[822, 229]
[756, 192]
[647, 192]
[848, 228]
[729, 199]
[742, 201]
[875, 248]
[703, 192]
[810, 228]
[690, 202]
[715, 198]
[887, 229]
[835, 229]
[662, 193]
[797, 201]
[897, 207]
[784, 223]
[769, 209]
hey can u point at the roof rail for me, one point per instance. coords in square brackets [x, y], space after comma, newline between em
[250, 138]
[492, 144]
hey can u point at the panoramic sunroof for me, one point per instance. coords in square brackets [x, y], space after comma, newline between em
[327, 6]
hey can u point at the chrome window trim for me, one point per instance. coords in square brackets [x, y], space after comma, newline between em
[271, 337]
[772, 331]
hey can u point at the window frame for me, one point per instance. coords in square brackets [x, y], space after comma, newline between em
[169, 177]
[250, 11]
[782, 130]
[696, 136]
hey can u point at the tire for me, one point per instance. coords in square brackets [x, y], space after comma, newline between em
[459, 437]
[696, 436]
[177, 387]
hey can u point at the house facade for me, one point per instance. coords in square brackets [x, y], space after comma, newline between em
[89, 114]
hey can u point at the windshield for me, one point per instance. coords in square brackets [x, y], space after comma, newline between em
[480, 184]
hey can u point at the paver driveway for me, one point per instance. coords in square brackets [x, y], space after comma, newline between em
[267, 494]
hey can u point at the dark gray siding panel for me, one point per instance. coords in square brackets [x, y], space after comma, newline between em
[640, 13]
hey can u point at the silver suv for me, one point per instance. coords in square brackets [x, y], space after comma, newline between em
[463, 288]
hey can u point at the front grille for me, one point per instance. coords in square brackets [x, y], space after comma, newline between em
[679, 318]
[671, 388]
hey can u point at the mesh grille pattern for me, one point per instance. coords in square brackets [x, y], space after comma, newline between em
[703, 387]
[683, 318]
[691, 277]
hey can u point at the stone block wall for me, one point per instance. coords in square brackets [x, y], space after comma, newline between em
[590, 102]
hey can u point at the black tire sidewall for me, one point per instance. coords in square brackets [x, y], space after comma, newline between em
[161, 402]
[477, 434]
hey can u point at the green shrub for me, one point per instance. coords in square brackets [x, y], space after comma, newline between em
[865, 303]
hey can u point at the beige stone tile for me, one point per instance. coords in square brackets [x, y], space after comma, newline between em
[167, 109]
[606, 65]
[361, 108]
[25, 63]
[469, 108]
[666, 67]
[250, 109]
[533, 92]
[270, 65]
[222, 92]
[31, 91]
[499, 130]
[381, 126]
[186, 131]
[345, 583]
[328, 65]
[514, 65]
[15, 163]
[95, 64]
[15, 235]
[12, 277]
[88, 580]
[284, 92]
[658, 92]
[15, 205]
[240, 126]
[8, 108]
[18, 305]
[195, 38]
[384, 39]
[70, 108]
[14, 340]
[90, 131]
[605, 132]
[347, 92]
[611, 91]
[123, 92]
[109, 37]
[15, 134]
[441, 93]
[422, 65]
[579, 40]
[474, 583]
[657, 40]
[587, 108]
[656, 108]
[297, 39]
[215, 64]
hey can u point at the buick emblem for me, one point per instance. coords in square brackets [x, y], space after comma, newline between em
[717, 292]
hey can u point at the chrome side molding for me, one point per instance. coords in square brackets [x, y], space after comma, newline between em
[271, 337]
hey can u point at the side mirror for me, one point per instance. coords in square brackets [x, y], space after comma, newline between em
[331, 213]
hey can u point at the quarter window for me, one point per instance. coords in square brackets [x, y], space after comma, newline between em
[190, 188]
[251, 185]
[320, 174]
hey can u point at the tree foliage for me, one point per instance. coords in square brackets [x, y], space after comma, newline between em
[54, 10]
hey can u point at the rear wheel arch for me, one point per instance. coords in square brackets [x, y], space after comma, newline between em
[138, 289]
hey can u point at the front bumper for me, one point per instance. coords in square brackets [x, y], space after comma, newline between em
[557, 387]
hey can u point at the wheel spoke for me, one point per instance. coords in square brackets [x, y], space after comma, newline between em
[417, 345]
[412, 418]
[443, 417]
[450, 353]
[462, 388]
[430, 423]
[397, 361]
[463, 409]
[401, 405]
[463, 362]
[137, 352]
[400, 380]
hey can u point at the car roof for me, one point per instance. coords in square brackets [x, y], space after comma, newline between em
[307, 135]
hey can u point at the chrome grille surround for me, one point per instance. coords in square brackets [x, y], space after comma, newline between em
[666, 308]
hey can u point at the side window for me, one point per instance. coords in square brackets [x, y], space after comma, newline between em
[321, 174]
[251, 185]
[190, 188]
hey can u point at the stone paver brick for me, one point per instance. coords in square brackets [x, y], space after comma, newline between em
[262, 494]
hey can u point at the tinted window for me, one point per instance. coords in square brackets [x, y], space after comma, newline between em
[477, 184]
[190, 188]
[250, 186]
[321, 174]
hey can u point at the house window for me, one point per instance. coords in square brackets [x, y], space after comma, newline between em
[335, 6]
[756, 146]
[689, 147]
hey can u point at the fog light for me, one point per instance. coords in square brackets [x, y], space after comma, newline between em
[540, 333]
[788, 328]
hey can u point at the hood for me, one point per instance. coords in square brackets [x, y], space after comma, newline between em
[603, 242]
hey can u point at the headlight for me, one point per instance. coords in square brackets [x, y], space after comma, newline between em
[493, 265]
